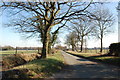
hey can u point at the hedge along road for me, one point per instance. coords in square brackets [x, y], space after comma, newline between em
[83, 68]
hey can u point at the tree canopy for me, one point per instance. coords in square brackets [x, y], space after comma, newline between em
[40, 17]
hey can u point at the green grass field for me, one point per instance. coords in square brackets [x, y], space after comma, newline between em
[18, 51]
[5, 53]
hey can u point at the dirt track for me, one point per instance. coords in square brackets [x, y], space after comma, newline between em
[83, 68]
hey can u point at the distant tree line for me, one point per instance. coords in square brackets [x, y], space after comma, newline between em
[61, 47]
[4, 48]
[28, 48]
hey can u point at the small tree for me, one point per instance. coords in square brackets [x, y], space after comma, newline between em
[71, 40]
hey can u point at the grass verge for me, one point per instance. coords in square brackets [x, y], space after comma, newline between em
[98, 57]
[40, 68]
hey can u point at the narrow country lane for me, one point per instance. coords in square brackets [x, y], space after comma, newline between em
[83, 68]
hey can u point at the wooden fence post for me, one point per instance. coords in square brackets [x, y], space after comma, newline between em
[16, 50]
[38, 50]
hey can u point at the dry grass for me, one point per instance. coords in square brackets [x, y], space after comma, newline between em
[84, 54]
[99, 57]
[17, 59]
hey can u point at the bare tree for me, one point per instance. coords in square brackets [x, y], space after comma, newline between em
[104, 20]
[83, 27]
[40, 17]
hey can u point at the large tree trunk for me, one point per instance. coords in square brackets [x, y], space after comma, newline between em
[73, 48]
[81, 48]
[45, 46]
[101, 48]
[49, 41]
[46, 49]
[101, 40]
[49, 47]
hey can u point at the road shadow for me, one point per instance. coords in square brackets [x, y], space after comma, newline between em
[88, 71]
[105, 61]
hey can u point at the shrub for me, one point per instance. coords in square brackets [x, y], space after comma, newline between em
[114, 49]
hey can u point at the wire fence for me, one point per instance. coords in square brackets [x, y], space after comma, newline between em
[18, 51]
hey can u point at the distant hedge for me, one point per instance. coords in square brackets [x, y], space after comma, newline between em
[114, 49]
[7, 48]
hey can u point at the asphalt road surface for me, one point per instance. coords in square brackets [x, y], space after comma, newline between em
[83, 68]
